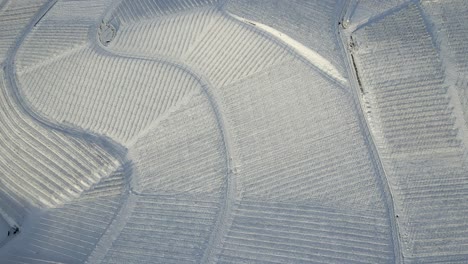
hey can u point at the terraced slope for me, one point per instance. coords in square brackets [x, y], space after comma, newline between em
[61, 32]
[312, 23]
[243, 146]
[178, 185]
[411, 111]
[136, 11]
[71, 232]
[272, 232]
[41, 167]
[132, 93]
[14, 16]
[182, 154]
[280, 151]
[451, 33]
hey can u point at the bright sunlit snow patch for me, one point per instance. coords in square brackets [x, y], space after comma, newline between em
[312, 56]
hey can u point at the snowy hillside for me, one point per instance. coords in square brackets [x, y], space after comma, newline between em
[233, 131]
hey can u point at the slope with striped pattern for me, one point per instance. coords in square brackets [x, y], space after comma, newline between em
[309, 22]
[162, 229]
[225, 50]
[69, 233]
[63, 30]
[14, 16]
[416, 130]
[450, 31]
[273, 232]
[182, 154]
[129, 11]
[309, 150]
[177, 188]
[230, 51]
[170, 36]
[40, 167]
[253, 82]
[132, 93]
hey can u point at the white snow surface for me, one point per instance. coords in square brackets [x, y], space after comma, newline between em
[233, 131]
[316, 59]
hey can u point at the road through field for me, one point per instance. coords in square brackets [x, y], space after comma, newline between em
[225, 214]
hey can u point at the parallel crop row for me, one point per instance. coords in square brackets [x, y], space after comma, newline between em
[40, 167]
[117, 97]
[414, 123]
[309, 22]
[15, 15]
[67, 234]
[309, 150]
[135, 11]
[165, 230]
[296, 139]
[167, 37]
[230, 51]
[63, 30]
[292, 233]
[451, 32]
[183, 154]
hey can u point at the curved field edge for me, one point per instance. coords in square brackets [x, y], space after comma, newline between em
[342, 36]
[111, 146]
[228, 162]
[316, 62]
[11, 84]
[223, 217]
[426, 123]
[283, 44]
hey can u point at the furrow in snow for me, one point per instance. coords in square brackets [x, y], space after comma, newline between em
[166, 37]
[291, 233]
[183, 154]
[113, 109]
[40, 168]
[137, 11]
[66, 234]
[232, 51]
[13, 17]
[306, 26]
[417, 130]
[311, 149]
[164, 230]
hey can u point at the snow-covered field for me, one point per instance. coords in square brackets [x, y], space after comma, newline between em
[233, 131]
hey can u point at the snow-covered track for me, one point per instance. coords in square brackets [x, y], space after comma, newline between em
[46, 165]
[416, 123]
[211, 56]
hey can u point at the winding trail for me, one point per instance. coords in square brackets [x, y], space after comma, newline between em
[109, 145]
[343, 37]
[224, 216]
[312, 58]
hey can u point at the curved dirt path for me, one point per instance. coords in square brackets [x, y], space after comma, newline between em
[229, 195]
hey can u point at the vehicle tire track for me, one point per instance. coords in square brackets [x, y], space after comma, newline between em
[229, 195]
[376, 160]
[224, 215]
[109, 145]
